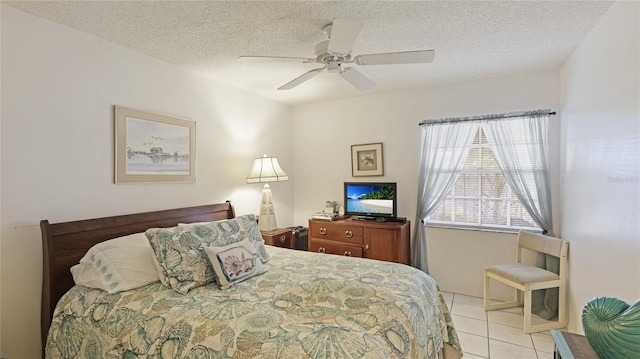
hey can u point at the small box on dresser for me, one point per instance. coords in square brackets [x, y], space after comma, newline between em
[280, 237]
[387, 241]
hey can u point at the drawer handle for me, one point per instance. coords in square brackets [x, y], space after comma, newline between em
[322, 250]
[282, 239]
[323, 230]
[348, 234]
[366, 246]
[348, 254]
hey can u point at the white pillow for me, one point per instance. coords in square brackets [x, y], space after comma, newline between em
[117, 265]
[235, 262]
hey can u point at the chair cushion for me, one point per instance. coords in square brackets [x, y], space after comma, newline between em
[522, 273]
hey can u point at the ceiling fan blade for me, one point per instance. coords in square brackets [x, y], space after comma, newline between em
[300, 79]
[357, 79]
[304, 60]
[343, 34]
[405, 57]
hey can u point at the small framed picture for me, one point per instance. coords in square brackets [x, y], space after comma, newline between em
[153, 148]
[366, 160]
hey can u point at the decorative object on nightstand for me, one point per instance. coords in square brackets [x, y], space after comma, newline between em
[612, 327]
[265, 170]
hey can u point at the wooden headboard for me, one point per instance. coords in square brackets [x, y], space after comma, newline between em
[64, 244]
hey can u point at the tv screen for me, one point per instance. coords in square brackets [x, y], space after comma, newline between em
[370, 199]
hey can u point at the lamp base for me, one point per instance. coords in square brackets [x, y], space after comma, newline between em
[267, 218]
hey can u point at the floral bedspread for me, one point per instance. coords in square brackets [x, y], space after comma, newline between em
[306, 305]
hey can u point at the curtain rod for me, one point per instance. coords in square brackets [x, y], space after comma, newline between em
[487, 117]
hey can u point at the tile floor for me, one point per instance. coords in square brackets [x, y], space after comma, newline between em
[495, 334]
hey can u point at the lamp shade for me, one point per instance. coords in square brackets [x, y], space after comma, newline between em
[266, 169]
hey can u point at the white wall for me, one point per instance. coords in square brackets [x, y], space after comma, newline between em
[601, 164]
[0, 192]
[58, 91]
[59, 86]
[324, 132]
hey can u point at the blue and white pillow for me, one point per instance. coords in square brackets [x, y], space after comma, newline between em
[117, 265]
[228, 231]
[181, 262]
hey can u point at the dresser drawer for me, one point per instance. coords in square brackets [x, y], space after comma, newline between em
[333, 231]
[326, 247]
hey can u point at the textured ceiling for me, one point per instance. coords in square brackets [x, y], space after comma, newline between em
[472, 39]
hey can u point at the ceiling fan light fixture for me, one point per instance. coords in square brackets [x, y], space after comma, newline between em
[334, 67]
[336, 52]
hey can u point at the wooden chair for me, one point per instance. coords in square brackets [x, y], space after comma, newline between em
[525, 278]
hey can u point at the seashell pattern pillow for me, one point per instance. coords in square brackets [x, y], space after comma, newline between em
[229, 231]
[181, 261]
[182, 264]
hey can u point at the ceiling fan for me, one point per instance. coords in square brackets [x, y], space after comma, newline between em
[334, 53]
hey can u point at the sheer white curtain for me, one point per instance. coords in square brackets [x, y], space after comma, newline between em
[520, 147]
[444, 149]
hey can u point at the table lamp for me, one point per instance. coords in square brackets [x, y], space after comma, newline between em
[266, 169]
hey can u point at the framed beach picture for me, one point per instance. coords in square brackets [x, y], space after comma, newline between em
[153, 148]
[366, 160]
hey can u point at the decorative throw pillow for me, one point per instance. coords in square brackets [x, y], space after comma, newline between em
[117, 265]
[182, 264]
[228, 231]
[234, 263]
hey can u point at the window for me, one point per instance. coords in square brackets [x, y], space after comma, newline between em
[481, 196]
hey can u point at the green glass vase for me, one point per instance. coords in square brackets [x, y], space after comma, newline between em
[612, 327]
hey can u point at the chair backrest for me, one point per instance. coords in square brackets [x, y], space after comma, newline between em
[541, 243]
[556, 247]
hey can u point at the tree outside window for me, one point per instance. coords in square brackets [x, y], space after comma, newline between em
[481, 196]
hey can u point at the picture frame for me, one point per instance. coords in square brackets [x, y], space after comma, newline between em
[366, 160]
[151, 147]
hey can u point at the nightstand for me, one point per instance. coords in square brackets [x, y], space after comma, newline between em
[279, 237]
[571, 346]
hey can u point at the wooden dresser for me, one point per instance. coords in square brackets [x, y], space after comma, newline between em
[387, 241]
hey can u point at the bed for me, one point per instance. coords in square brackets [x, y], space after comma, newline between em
[301, 304]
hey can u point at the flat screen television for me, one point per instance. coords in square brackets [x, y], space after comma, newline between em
[370, 199]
